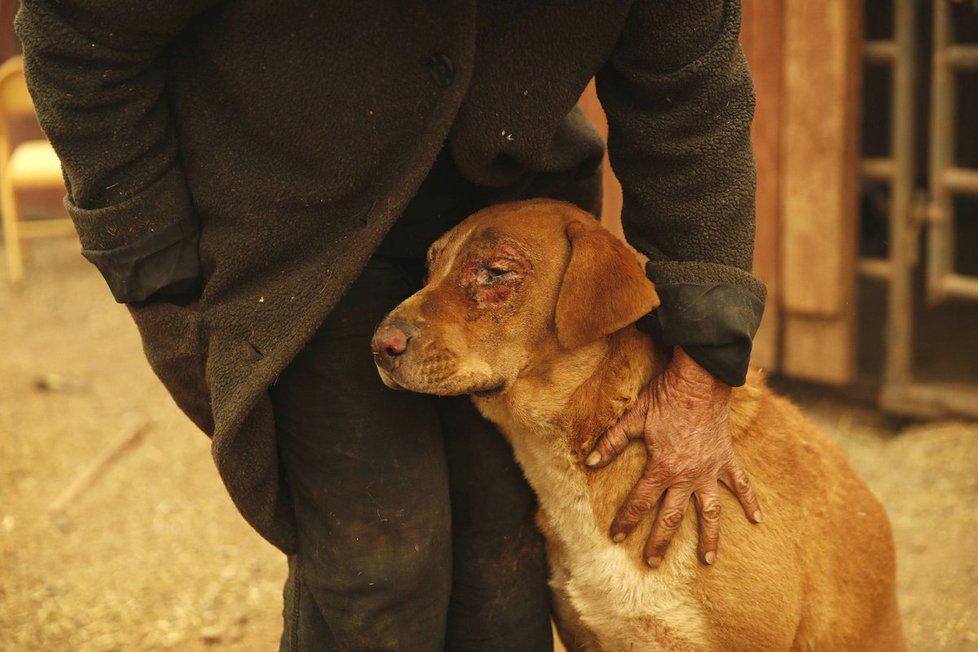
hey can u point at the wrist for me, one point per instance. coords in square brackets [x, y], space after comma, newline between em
[692, 379]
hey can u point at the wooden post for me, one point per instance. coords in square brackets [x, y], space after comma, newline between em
[761, 37]
[819, 177]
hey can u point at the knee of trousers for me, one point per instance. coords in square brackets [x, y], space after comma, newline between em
[383, 559]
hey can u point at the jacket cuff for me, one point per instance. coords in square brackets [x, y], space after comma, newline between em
[714, 322]
[145, 243]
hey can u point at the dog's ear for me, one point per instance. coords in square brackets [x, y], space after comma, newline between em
[604, 288]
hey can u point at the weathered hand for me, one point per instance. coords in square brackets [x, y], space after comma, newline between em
[683, 416]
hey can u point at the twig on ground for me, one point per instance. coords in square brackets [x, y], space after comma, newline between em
[130, 435]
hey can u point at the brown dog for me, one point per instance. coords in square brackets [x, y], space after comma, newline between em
[529, 308]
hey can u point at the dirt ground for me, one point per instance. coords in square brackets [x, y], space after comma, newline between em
[153, 555]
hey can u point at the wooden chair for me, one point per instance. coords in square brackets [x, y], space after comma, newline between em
[28, 166]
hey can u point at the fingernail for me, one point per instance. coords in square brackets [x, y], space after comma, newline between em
[709, 558]
[654, 561]
[593, 459]
[757, 517]
[618, 538]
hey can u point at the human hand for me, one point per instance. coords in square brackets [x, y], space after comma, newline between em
[683, 417]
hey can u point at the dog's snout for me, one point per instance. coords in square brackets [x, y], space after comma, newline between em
[389, 342]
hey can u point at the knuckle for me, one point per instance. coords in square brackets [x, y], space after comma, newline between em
[637, 507]
[741, 481]
[711, 512]
[671, 518]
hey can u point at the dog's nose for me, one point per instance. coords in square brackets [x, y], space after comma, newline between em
[389, 342]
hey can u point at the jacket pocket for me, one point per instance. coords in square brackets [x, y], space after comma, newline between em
[144, 243]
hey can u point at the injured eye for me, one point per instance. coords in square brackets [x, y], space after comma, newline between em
[492, 277]
[489, 275]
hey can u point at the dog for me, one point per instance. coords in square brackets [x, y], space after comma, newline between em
[529, 307]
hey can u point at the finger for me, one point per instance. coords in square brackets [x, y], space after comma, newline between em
[708, 510]
[609, 446]
[631, 425]
[667, 522]
[735, 478]
[640, 502]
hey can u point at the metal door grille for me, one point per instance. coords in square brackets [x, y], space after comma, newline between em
[911, 209]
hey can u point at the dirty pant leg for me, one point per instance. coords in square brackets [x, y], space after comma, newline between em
[366, 468]
[500, 598]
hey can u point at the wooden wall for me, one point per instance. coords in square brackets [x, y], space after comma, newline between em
[9, 45]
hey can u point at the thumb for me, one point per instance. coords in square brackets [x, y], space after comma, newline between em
[610, 444]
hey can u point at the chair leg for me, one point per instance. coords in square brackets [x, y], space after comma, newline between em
[11, 231]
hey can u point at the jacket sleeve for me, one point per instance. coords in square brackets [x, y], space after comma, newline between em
[96, 70]
[679, 101]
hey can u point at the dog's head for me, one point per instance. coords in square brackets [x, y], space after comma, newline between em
[511, 282]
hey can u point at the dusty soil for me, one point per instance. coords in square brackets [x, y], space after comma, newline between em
[154, 555]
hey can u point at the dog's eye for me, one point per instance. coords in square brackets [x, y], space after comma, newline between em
[494, 273]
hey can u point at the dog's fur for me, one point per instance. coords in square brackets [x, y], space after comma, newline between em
[528, 307]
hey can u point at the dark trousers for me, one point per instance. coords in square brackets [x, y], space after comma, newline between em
[416, 526]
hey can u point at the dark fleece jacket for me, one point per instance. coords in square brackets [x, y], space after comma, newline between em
[264, 149]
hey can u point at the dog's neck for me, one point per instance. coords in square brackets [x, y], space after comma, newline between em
[556, 410]
[629, 362]
[576, 395]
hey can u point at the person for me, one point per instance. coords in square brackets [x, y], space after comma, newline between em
[258, 182]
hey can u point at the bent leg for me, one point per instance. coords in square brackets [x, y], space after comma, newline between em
[500, 598]
[366, 468]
